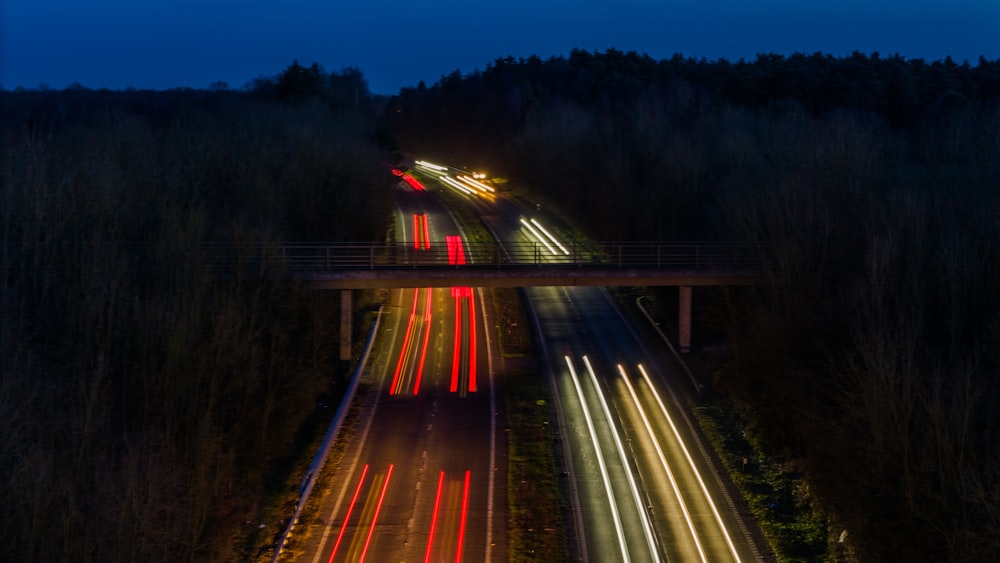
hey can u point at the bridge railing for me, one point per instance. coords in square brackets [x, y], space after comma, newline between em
[325, 257]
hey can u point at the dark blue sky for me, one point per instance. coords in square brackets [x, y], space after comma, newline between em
[169, 43]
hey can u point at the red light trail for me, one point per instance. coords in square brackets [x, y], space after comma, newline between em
[434, 518]
[350, 508]
[413, 182]
[427, 337]
[456, 256]
[378, 508]
[421, 236]
[408, 351]
[463, 512]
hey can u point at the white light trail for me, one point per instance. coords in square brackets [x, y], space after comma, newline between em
[557, 243]
[663, 462]
[451, 182]
[687, 455]
[432, 166]
[476, 184]
[639, 505]
[539, 236]
[600, 461]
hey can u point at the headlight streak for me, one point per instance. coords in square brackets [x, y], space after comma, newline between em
[476, 184]
[539, 236]
[457, 185]
[663, 462]
[640, 506]
[432, 166]
[557, 243]
[600, 461]
[687, 455]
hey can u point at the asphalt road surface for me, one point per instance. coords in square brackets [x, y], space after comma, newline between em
[422, 479]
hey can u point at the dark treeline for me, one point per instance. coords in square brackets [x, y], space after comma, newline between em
[871, 356]
[143, 401]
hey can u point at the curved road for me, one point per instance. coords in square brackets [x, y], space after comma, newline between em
[417, 482]
[642, 485]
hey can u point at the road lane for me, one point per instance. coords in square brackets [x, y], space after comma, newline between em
[418, 481]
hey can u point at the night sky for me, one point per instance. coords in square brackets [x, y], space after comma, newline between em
[164, 44]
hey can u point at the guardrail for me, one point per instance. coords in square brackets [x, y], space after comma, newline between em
[326, 257]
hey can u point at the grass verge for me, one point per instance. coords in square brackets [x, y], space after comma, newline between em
[536, 508]
[536, 529]
[778, 496]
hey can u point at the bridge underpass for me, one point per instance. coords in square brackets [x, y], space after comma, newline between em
[350, 266]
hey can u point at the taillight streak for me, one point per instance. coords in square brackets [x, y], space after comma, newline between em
[472, 341]
[457, 355]
[465, 512]
[414, 183]
[449, 522]
[408, 340]
[421, 232]
[456, 256]
[434, 518]
[378, 508]
[406, 344]
[350, 508]
[427, 337]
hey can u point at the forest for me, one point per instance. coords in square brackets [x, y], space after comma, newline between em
[146, 405]
[870, 357]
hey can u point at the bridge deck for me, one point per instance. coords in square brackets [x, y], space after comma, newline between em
[382, 265]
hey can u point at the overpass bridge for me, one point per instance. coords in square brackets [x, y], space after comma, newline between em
[371, 265]
[374, 265]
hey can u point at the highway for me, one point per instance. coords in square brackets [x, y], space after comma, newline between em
[641, 484]
[423, 476]
[417, 479]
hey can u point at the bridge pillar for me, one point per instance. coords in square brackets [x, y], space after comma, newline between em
[684, 318]
[345, 324]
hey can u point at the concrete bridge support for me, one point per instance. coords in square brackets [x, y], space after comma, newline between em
[346, 313]
[684, 319]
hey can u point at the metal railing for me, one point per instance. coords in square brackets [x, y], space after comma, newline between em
[327, 257]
